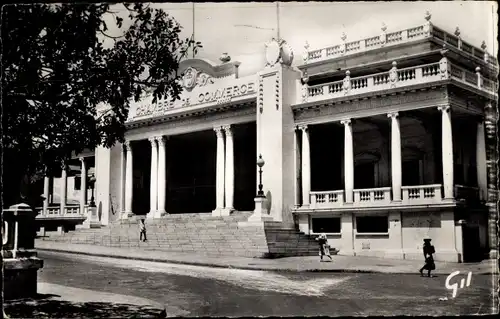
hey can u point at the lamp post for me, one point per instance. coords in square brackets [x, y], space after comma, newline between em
[260, 163]
[92, 183]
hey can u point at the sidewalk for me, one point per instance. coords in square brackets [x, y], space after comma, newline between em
[296, 264]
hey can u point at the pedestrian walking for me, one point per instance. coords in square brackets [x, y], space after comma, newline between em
[429, 259]
[142, 230]
[324, 249]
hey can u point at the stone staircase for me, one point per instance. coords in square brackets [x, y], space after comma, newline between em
[199, 234]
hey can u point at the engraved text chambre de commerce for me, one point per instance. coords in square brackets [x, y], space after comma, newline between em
[203, 97]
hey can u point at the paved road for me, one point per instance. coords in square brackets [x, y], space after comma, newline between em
[201, 291]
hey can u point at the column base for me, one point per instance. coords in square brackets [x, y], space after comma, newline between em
[217, 212]
[126, 215]
[159, 214]
[226, 211]
[493, 254]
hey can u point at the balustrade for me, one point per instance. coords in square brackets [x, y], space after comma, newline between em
[427, 73]
[398, 37]
[372, 196]
[326, 199]
[55, 211]
[422, 194]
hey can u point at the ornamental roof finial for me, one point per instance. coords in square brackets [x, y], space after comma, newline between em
[483, 45]
[428, 15]
[457, 32]
[384, 27]
[344, 36]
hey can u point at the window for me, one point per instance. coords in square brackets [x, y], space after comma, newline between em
[372, 224]
[326, 225]
[364, 175]
[410, 173]
[78, 181]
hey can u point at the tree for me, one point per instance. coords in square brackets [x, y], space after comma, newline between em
[57, 73]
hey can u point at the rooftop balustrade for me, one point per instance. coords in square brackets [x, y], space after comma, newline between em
[424, 31]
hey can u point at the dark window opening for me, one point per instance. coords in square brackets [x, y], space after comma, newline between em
[410, 173]
[364, 176]
[372, 224]
[326, 225]
[78, 183]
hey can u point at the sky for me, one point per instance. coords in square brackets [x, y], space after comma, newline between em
[242, 29]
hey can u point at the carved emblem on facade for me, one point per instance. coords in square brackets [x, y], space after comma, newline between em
[193, 77]
[278, 51]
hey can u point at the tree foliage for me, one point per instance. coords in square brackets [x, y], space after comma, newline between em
[58, 74]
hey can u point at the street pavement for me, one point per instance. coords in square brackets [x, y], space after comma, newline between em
[295, 264]
[75, 285]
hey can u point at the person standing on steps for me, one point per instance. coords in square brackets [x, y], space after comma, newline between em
[429, 259]
[142, 230]
[324, 249]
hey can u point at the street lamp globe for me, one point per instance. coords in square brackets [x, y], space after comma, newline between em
[260, 161]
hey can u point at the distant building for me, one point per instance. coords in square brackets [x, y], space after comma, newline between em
[380, 142]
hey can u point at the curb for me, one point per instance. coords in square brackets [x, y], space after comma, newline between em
[212, 265]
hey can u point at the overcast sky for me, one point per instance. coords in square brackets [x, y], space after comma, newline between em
[220, 27]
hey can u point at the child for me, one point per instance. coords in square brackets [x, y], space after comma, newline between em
[142, 229]
[324, 249]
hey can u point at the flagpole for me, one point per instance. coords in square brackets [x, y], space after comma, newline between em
[278, 19]
[193, 31]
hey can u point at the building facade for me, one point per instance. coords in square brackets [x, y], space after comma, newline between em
[379, 143]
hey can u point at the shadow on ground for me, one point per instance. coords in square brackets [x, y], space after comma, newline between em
[43, 306]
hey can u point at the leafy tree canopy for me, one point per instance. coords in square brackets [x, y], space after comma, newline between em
[57, 75]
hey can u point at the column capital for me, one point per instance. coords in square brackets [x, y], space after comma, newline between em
[393, 115]
[444, 108]
[82, 159]
[152, 140]
[346, 122]
[228, 129]
[303, 127]
[126, 145]
[219, 131]
[161, 140]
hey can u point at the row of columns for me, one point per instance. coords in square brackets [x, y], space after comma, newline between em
[447, 158]
[158, 178]
[64, 190]
[224, 171]
[224, 174]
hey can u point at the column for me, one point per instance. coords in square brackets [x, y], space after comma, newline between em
[229, 175]
[46, 183]
[219, 172]
[482, 177]
[447, 151]
[83, 186]
[348, 161]
[153, 189]
[63, 191]
[128, 180]
[122, 177]
[297, 164]
[395, 156]
[306, 167]
[161, 177]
